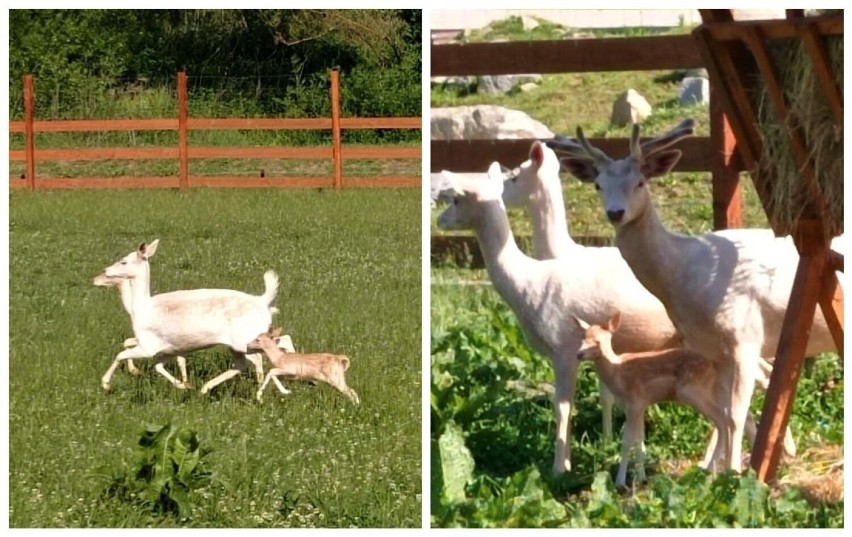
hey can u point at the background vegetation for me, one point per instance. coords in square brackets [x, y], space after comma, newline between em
[103, 64]
[247, 62]
[492, 425]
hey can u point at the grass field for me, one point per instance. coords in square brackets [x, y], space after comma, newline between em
[350, 283]
[492, 421]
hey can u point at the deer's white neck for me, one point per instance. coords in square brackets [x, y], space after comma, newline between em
[126, 291]
[140, 290]
[550, 227]
[505, 262]
[652, 252]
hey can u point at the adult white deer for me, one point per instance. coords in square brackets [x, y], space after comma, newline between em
[546, 294]
[168, 324]
[725, 292]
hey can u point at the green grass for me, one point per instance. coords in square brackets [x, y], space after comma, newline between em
[350, 283]
[487, 382]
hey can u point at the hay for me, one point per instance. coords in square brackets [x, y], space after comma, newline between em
[811, 114]
[817, 473]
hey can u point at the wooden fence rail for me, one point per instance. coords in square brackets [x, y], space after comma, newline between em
[716, 153]
[184, 152]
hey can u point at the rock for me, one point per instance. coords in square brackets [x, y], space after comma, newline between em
[457, 82]
[498, 84]
[494, 84]
[698, 72]
[629, 108]
[528, 23]
[694, 90]
[523, 79]
[484, 122]
[527, 87]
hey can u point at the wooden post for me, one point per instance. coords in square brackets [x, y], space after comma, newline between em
[727, 192]
[29, 131]
[766, 453]
[335, 129]
[183, 135]
[831, 303]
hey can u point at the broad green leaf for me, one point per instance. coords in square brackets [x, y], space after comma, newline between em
[456, 462]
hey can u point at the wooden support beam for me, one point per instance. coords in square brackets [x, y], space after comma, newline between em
[836, 260]
[757, 42]
[727, 192]
[781, 393]
[815, 46]
[728, 65]
[831, 303]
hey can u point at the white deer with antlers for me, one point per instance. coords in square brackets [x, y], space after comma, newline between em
[726, 293]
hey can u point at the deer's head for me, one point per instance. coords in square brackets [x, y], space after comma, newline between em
[622, 183]
[525, 182]
[597, 338]
[467, 196]
[133, 264]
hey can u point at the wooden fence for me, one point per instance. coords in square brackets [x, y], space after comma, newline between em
[716, 153]
[184, 152]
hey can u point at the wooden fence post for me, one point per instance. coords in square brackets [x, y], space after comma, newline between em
[29, 131]
[727, 192]
[183, 136]
[335, 129]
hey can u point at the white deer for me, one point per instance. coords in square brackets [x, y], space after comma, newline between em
[546, 294]
[536, 186]
[168, 324]
[725, 292]
[123, 286]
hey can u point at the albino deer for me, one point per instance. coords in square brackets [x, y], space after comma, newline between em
[123, 286]
[535, 185]
[328, 368]
[638, 380]
[545, 294]
[725, 292]
[181, 321]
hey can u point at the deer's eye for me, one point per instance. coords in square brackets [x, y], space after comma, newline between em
[514, 179]
[455, 201]
[597, 186]
[124, 262]
[641, 184]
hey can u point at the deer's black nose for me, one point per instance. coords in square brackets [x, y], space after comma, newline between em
[615, 216]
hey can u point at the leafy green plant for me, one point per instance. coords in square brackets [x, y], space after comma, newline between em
[167, 469]
[490, 403]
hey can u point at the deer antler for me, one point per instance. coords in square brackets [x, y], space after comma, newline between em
[569, 147]
[682, 130]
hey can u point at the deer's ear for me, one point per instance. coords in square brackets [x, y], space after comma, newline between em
[660, 163]
[151, 249]
[614, 321]
[583, 169]
[581, 323]
[537, 153]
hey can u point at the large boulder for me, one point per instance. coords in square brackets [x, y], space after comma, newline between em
[629, 108]
[484, 122]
